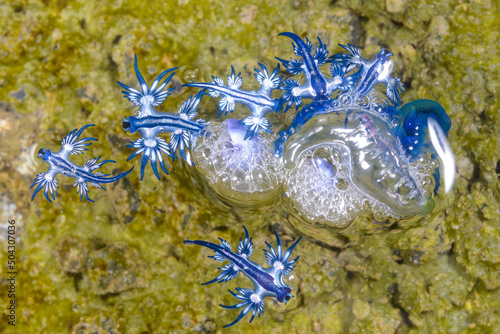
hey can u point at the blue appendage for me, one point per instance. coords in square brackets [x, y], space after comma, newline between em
[250, 302]
[151, 150]
[277, 256]
[148, 96]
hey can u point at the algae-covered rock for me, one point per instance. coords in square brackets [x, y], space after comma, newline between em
[480, 254]
[116, 268]
[100, 323]
[72, 254]
[414, 296]
[119, 266]
[379, 319]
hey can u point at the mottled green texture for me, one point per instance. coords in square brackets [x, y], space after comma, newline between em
[119, 266]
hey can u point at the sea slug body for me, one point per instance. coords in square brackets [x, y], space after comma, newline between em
[260, 103]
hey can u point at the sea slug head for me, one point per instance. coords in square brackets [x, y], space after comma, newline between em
[130, 124]
[284, 294]
[384, 54]
[126, 124]
[44, 154]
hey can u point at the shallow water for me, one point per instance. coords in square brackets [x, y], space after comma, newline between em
[118, 265]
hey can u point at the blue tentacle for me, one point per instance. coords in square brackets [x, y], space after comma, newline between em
[154, 95]
[251, 300]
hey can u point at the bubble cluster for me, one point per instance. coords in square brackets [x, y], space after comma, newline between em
[235, 167]
[320, 187]
[340, 165]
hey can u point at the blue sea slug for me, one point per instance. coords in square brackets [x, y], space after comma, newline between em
[260, 102]
[317, 86]
[268, 282]
[372, 72]
[150, 123]
[59, 162]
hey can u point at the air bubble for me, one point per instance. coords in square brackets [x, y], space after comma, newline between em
[379, 216]
[246, 167]
[334, 177]
[428, 183]
[190, 74]
[378, 105]
[395, 122]
[342, 184]
[289, 280]
[365, 102]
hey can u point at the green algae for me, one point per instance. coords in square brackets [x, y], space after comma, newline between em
[119, 266]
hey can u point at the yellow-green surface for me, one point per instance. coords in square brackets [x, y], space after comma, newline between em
[119, 266]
